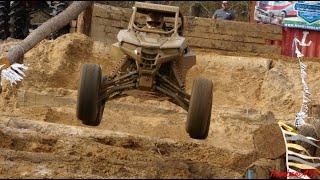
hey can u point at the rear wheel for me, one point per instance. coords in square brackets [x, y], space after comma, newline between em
[89, 108]
[199, 114]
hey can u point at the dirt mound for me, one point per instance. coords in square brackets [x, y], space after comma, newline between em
[68, 151]
[246, 91]
[240, 84]
[58, 63]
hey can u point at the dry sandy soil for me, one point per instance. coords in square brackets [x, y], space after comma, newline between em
[40, 136]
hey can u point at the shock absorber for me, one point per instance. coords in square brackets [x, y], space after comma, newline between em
[177, 71]
[118, 66]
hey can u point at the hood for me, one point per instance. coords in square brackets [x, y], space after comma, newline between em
[151, 39]
[144, 39]
[128, 36]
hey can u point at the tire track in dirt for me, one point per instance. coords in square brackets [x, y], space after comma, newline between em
[108, 153]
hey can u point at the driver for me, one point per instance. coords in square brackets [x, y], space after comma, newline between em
[155, 21]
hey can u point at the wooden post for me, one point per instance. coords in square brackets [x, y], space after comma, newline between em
[268, 141]
[251, 10]
[84, 21]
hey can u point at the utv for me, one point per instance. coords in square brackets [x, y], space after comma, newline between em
[155, 60]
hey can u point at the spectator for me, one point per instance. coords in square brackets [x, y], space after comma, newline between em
[224, 13]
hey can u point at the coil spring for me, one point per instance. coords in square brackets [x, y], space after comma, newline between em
[118, 66]
[179, 73]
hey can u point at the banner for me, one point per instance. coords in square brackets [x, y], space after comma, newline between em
[295, 14]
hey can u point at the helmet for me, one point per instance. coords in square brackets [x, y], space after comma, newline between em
[155, 20]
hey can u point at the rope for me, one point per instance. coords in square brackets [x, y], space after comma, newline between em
[294, 158]
[303, 113]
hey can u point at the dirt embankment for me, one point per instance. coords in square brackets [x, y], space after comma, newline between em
[246, 90]
[247, 82]
[241, 82]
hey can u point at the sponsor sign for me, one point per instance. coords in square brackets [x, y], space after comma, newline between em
[295, 14]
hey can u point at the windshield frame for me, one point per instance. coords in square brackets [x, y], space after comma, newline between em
[132, 25]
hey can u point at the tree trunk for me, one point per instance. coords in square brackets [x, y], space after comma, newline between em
[16, 52]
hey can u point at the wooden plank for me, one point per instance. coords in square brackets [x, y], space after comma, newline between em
[97, 33]
[223, 37]
[110, 12]
[250, 27]
[243, 26]
[112, 30]
[110, 22]
[232, 46]
[114, 16]
[223, 30]
[199, 32]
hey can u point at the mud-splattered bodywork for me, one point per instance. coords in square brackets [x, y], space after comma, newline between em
[151, 49]
[154, 60]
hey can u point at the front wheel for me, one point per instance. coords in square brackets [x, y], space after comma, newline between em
[199, 113]
[89, 108]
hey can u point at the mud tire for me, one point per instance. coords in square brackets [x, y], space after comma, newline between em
[199, 113]
[89, 110]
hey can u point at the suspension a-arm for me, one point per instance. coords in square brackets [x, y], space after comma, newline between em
[113, 88]
[178, 96]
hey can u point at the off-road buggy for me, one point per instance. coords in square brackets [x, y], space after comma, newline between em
[154, 65]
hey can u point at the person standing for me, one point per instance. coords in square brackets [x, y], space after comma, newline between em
[225, 13]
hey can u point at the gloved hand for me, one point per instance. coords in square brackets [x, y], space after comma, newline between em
[14, 73]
